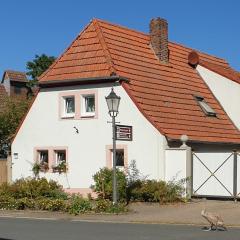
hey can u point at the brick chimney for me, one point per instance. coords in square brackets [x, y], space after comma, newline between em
[159, 38]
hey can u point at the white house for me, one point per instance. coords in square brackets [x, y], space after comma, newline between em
[167, 90]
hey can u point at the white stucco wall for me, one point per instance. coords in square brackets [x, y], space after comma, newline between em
[86, 150]
[6, 84]
[226, 91]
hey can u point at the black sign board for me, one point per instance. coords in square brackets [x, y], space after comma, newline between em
[123, 133]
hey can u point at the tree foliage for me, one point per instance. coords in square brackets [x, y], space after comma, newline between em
[39, 65]
[10, 117]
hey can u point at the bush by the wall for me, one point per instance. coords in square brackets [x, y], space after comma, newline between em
[104, 183]
[33, 188]
[157, 191]
[78, 204]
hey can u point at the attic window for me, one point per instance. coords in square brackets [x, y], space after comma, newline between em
[205, 107]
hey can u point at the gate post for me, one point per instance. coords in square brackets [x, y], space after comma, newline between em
[235, 174]
[178, 166]
[189, 175]
[9, 168]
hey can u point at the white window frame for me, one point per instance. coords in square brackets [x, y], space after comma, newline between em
[109, 156]
[117, 150]
[84, 113]
[39, 160]
[64, 109]
[56, 160]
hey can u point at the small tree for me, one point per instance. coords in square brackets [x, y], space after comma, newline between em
[10, 118]
[37, 66]
[104, 184]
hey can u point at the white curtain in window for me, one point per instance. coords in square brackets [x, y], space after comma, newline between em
[90, 104]
[69, 105]
[61, 156]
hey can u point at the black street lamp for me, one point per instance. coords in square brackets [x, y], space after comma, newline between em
[113, 103]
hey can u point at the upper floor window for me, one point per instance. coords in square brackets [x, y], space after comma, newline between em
[88, 105]
[69, 106]
[208, 110]
[81, 104]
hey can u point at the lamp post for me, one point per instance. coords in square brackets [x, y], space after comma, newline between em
[113, 103]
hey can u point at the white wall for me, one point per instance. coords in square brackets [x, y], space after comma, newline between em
[6, 84]
[226, 91]
[87, 150]
[178, 166]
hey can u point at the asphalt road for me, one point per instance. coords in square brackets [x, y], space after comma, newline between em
[33, 229]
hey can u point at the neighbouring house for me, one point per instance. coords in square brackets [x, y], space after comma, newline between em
[181, 105]
[15, 83]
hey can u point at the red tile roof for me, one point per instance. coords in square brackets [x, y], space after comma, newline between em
[15, 76]
[164, 93]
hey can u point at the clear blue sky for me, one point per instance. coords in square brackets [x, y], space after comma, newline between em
[31, 27]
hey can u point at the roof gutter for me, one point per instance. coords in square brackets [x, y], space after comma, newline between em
[203, 142]
[80, 81]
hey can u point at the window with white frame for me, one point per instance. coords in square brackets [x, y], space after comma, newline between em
[68, 106]
[43, 157]
[60, 156]
[60, 164]
[119, 158]
[88, 105]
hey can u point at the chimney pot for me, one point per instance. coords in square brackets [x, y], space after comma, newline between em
[159, 38]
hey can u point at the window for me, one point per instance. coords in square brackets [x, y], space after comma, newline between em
[119, 158]
[80, 104]
[88, 105]
[43, 157]
[60, 156]
[69, 106]
[43, 160]
[205, 107]
[60, 164]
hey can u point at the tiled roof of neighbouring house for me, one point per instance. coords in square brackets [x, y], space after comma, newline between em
[16, 76]
[164, 93]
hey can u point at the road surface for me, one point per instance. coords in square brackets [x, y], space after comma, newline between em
[43, 229]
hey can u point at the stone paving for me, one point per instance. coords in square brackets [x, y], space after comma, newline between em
[181, 213]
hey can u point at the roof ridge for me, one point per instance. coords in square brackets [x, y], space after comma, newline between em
[147, 35]
[107, 54]
[118, 25]
[201, 52]
[9, 70]
[61, 55]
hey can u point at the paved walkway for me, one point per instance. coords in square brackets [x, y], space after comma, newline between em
[184, 213]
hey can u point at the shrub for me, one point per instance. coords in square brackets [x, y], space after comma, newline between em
[78, 205]
[157, 191]
[50, 204]
[33, 188]
[104, 184]
[104, 205]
